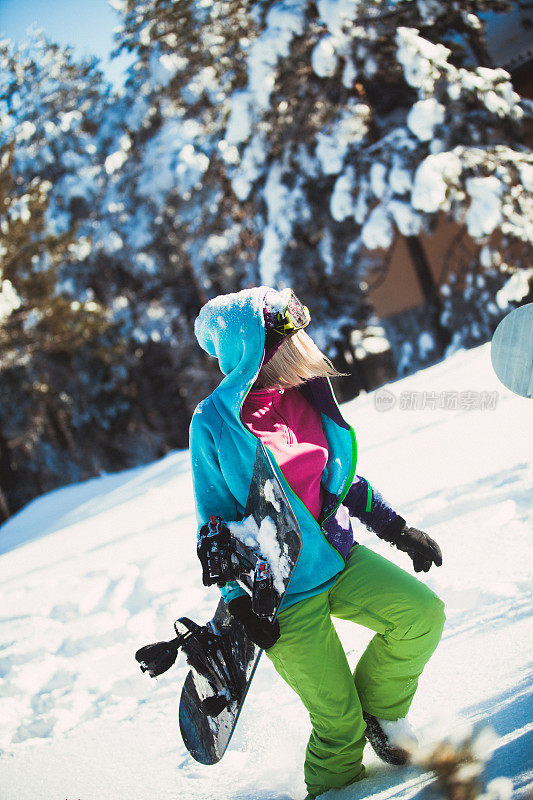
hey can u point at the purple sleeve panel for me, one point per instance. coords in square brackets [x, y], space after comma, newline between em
[338, 530]
[374, 512]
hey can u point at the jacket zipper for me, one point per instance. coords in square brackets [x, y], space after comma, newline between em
[290, 437]
[351, 475]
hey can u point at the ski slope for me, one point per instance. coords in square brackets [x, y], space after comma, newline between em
[91, 572]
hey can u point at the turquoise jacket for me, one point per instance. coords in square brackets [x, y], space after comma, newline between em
[231, 328]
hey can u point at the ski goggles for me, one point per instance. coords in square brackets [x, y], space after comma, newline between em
[284, 316]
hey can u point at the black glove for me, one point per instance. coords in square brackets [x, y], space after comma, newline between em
[420, 547]
[261, 631]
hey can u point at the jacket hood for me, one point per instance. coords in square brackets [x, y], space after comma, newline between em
[231, 328]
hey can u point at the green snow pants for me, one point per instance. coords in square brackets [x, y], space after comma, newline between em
[408, 619]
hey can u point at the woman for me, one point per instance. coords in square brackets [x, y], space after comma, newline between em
[276, 388]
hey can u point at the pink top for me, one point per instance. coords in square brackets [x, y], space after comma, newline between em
[292, 429]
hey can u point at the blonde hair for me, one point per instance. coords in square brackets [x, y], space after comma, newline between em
[296, 361]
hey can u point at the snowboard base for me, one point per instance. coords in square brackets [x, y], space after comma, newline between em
[206, 737]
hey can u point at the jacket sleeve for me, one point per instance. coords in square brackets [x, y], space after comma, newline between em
[211, 493]
[374, 512]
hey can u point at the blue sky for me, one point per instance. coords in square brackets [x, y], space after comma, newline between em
[86, 25]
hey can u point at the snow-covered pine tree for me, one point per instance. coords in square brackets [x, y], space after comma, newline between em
[283, 142]
[58, 345]
[187, 234]
[36, 316]
[291, 142]
[364, 120]
[194, 62]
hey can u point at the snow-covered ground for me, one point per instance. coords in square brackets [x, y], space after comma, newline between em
[91, 572]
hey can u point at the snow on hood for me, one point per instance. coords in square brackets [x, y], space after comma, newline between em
[231, 328]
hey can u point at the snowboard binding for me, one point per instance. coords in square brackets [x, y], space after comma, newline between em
[224, 558]
[210, 654]
[207, 652]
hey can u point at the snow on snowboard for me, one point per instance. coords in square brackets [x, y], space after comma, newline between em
[264, 548]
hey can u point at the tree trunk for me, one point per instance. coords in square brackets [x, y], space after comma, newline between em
[429, 289]
[7, 478]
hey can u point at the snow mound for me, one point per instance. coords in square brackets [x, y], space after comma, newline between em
[90, 573]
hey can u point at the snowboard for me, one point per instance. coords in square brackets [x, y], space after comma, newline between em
[208, 714]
